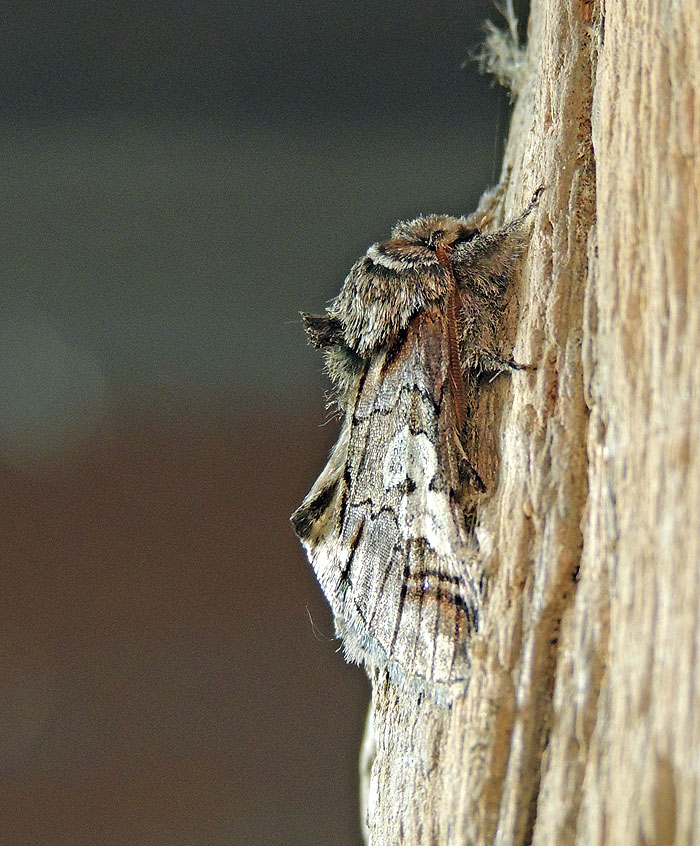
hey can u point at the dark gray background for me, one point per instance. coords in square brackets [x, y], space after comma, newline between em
[178, 181]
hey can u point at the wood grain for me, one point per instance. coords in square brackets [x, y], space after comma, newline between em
[581, 723]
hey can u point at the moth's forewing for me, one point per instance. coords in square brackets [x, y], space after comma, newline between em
[384, 526]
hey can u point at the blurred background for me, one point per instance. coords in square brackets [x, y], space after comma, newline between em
[179, 179]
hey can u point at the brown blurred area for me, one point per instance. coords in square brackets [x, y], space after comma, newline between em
[179, 180]
[161, 681]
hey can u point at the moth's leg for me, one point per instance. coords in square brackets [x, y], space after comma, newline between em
[469, 478]
[485, 214]
[517, 223]
[488, 361]
[322, 330]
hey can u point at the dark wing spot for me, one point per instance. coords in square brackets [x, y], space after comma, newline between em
[396, 347]
[354, 543]
[306, 516]
[342, 507]
[447, 592]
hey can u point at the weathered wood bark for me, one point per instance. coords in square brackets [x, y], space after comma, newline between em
[581, 723]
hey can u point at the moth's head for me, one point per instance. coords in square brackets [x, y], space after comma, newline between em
[414, 243]
[433, 228]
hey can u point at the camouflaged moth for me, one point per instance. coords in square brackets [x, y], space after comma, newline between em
[407, 343]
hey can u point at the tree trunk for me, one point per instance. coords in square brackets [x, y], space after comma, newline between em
[581, 722]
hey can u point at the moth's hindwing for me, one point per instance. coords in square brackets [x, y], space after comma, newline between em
[384, 524]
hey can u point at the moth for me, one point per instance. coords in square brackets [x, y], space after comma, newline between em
[409, 341]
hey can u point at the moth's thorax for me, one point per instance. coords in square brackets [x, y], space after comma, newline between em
[398, 278]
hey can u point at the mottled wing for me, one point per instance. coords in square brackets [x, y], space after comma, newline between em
[384, 524]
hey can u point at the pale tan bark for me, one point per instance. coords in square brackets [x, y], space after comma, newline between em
[581, 723]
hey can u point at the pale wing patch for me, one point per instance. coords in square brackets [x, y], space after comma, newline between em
[412, 461]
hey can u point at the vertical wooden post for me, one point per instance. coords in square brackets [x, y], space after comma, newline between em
[581, 723]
